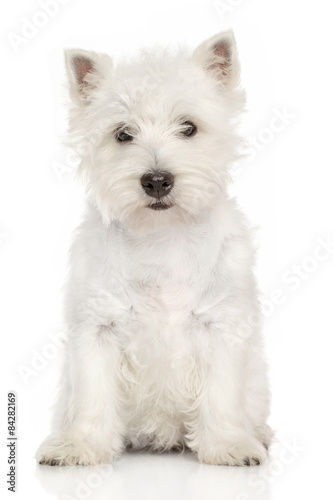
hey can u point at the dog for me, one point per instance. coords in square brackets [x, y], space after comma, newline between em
[165, 347]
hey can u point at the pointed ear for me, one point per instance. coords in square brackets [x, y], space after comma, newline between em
[85, 71]
[218, 56]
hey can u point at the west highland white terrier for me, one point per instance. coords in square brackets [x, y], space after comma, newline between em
[164, 343]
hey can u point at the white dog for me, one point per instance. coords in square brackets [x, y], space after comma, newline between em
[165, 348]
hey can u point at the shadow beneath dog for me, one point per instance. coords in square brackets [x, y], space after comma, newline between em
[140, 474]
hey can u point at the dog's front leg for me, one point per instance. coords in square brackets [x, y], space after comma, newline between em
[89, 427]
[220, 430]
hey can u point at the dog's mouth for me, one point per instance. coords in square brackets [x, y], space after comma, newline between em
[159, 205]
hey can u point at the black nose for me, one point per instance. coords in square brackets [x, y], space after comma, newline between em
[157, 184]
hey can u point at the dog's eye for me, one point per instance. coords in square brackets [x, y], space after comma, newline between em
[123, 135]
[189, 129]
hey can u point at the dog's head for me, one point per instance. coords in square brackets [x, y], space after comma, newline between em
[156, 135]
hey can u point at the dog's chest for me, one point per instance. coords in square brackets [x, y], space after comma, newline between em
[157, 343]
[154, 284]
[164, 282]
[165, 300]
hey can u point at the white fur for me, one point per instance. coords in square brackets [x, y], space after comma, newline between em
[165, 346]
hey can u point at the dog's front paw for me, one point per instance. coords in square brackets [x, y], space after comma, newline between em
[60, 449]
[241, 454]
[265, 435]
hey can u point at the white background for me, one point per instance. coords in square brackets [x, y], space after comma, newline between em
[286, 188]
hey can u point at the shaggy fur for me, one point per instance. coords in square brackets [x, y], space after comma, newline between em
[165, 346]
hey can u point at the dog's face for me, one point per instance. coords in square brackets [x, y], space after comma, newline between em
[156, 136]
